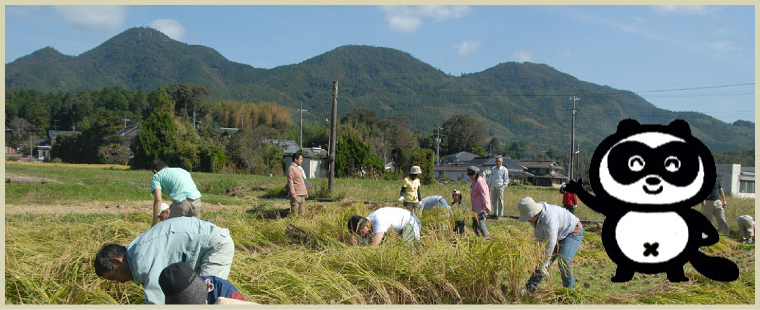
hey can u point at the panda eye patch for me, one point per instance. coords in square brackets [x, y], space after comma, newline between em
[672, 164]
[636, 163]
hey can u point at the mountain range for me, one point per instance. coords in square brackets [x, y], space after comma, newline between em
[515, 101]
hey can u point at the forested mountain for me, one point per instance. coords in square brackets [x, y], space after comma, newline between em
[515, 101]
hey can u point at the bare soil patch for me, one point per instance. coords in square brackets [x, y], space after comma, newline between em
[104, 207]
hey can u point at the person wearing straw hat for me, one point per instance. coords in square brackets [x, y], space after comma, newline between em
[560, 231]
[182, 285]
[377, 223]
[410, 191]
[480, 199]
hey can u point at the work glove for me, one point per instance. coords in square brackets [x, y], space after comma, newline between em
[401, 199]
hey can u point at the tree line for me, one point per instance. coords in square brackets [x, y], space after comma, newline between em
[182, 124]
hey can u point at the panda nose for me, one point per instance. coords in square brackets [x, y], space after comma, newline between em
[653, 181]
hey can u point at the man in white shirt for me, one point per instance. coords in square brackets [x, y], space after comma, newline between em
[498, 180]
[377, 223]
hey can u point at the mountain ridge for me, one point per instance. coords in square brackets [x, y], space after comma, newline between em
[515, 101]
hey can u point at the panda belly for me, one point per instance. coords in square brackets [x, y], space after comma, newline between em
[652, 238]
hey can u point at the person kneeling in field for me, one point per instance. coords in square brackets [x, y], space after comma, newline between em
[430, 202]
[560, 231]
[746, 228]
[163, 213]
[182, 285]
[377, 223]
[204, 246]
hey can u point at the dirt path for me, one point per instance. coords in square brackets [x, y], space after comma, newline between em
[103, 207]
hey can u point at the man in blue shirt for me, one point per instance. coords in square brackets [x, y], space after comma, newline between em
[202, 245]
[179, 186]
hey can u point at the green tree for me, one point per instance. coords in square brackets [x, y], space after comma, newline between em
[38, 116]
[159, 101]
[273, 158]
[354, 158]
[184, 151]
[68, 148]
[424, 158]
[154, 138]
[462, 132]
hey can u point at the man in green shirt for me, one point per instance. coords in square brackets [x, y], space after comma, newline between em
[179, 186]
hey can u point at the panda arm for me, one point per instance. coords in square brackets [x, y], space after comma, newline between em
[704, 231]
[590, 200]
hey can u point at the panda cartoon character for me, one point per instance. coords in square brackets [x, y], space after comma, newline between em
[646, 179]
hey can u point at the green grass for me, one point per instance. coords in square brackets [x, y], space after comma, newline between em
[49, 256]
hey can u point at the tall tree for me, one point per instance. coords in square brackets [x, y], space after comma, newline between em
[462, 132]
[354, 158]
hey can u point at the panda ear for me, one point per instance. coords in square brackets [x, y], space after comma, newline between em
[681, 126]
[628, 124]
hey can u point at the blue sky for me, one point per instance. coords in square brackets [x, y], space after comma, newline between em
[680, 58]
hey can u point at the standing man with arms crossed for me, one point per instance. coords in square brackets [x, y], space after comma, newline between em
[297, 186]
[498, 180]
[179, 186]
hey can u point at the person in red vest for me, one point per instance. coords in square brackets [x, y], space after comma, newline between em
[569, 200]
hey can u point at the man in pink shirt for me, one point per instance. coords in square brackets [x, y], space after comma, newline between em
[297, 186]
[480, 197]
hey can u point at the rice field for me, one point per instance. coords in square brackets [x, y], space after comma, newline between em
[54, 229]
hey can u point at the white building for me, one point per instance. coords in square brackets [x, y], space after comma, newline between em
[737, 180]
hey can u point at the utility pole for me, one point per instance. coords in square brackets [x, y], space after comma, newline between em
[241, 120]
[333, 134]
[572, 137]
[301, 124]
[195, 125]
[125, 119]
[438, 146]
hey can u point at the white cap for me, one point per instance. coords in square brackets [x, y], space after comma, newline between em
[164, 206]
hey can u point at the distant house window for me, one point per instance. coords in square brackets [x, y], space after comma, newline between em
[746, 186]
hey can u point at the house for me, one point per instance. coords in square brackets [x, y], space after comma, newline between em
[287, 146]
[736, 180]
[43, 146]
[314, 159]
[10, 150]
[517, 172]
[456, 167]
[128, 133]
[545, 173]
[461, 157]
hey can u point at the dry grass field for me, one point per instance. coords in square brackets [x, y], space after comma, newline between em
[53, 230]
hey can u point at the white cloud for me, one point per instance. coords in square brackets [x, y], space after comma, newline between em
[468, 47]
[681, 9]
[405, 18]
[403, 24]
[725, 47]
[92, 16]
[522, 56]
[169, 27]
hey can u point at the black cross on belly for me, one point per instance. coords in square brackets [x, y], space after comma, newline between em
[651, 249]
